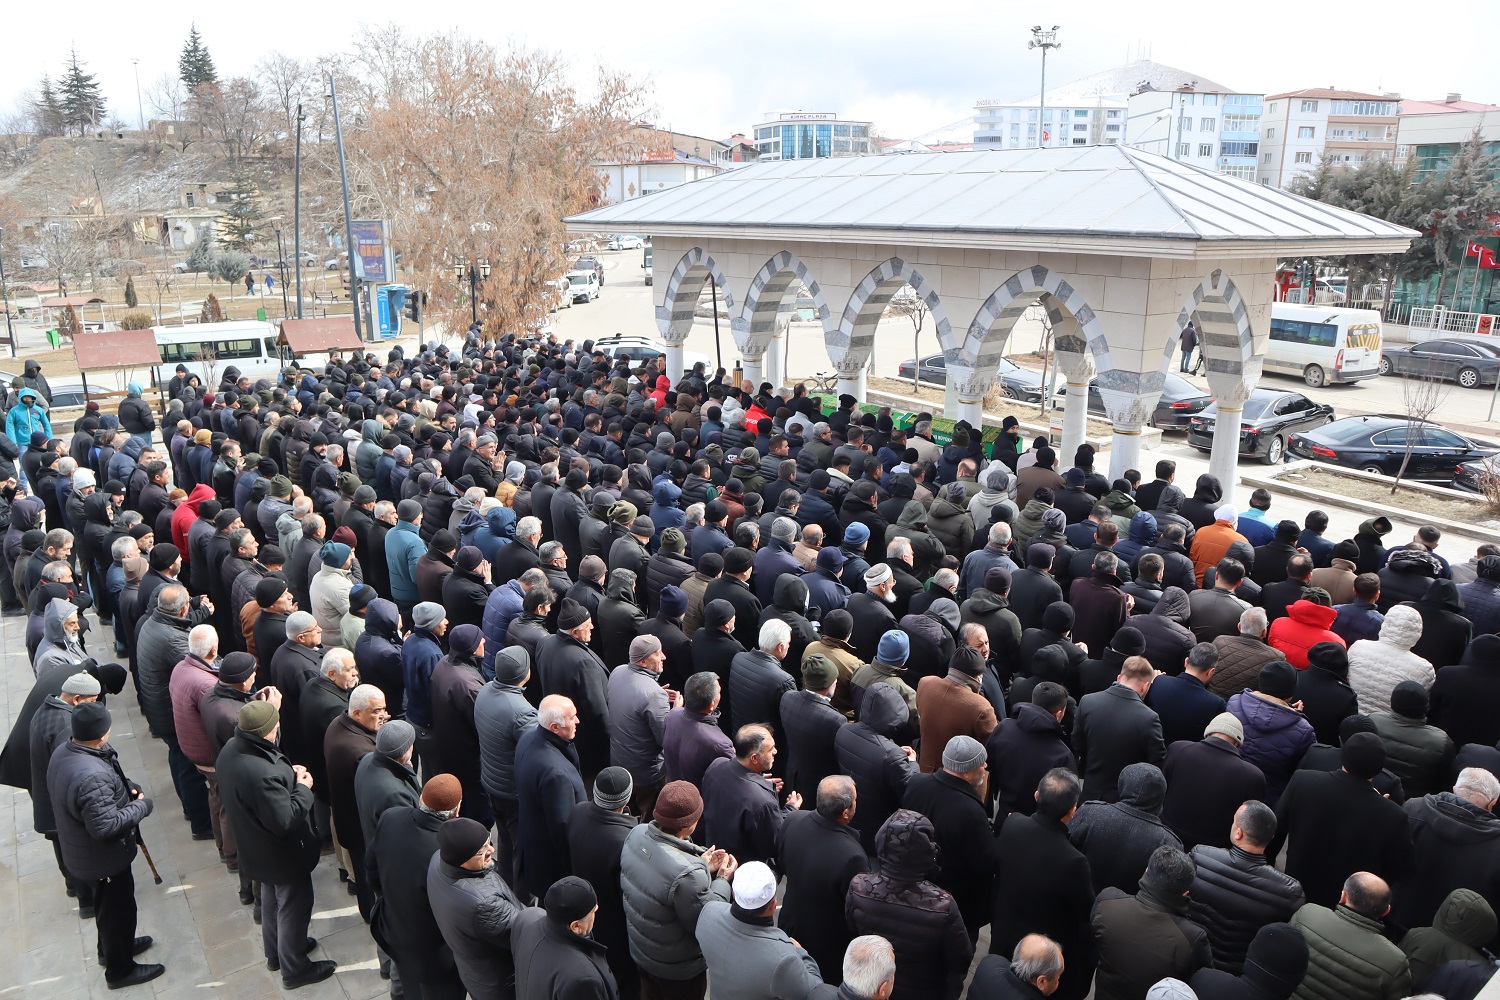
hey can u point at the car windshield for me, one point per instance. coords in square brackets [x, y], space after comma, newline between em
[580, 279]
[1343, 432]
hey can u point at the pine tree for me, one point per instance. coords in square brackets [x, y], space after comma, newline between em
[82, 99]
[242, 215]
[47, 110]
[131, 299]
[1468, 196]
[196, 66]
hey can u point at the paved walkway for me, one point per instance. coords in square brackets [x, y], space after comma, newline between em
[207, 940]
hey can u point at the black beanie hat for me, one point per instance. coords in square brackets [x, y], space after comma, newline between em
[460, 839]
[90, 721]
[1278, 679]
[1362, 755]
[1409, 700]
[164, 554]
[1277, 959]
[1329, 656]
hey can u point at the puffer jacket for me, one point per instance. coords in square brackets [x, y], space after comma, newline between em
[1482, 598]
[1417, 753]
[665, 569]
[1168, 638]
[1122, 509]
[1406, 577]
[1464, 924]
[377, 653]
[1458, 844]
[1348, 956]
[665, 886]
[96, 817]
[1141, 533]
[160, 646]
[329, 591]
[1235, 894]
[1029, 522]
[867, 753]
[1276, 737]
[1306, 624]
[920, 920]
[191, 680]
[1446, 628]
[926, 550]
[1376, 667]
[498, 530]
[501, 715]
[951, 525]
[1213, 542]
[1118, 837]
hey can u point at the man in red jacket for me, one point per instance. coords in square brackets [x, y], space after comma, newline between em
[1306, 624]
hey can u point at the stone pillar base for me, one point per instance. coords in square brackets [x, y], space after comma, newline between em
[1124, 451]
[675, 362]
[754, 369]
[1075, 421]
[856, 385]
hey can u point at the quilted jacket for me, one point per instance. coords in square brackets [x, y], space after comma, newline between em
[1376, 667]
[1276, 737]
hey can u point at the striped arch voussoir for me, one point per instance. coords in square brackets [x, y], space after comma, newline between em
[1225, 336]
[674, 315]
[856, 333]
[982, 349]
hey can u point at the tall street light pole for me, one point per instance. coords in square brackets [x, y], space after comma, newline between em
[297, 210]
[349, 247]
[10, 331]
[1044, 40]
[139, 108]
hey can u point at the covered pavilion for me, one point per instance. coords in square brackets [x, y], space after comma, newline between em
[1121, 247]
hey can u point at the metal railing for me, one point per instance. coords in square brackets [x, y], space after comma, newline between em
[1440, 318]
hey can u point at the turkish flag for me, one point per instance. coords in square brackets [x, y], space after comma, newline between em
[1485, 254]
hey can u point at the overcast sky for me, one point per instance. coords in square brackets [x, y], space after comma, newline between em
[909, 67]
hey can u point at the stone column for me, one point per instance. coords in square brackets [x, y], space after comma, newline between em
[753, 367]
[1224, 459]
[1075, 420]
[964, 399]
[775, 364]
[1129, 398]
[1124, 450]
[853, 380]
[675, 363]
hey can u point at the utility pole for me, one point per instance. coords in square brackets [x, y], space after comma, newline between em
[139, 108]
[10, 330]
[1044, 40]
[349, 247]
[297, 211]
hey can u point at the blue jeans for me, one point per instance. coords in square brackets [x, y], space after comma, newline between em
[1186, 357]
[192, 789]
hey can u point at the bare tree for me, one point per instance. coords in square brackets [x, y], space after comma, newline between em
[1420, 398]
[234, 113]
[169, 100]
[287, 83]
[906, 302]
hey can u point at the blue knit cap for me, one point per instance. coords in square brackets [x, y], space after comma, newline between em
[334, 554]
[894, 648]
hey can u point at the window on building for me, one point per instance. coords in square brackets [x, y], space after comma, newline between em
[1305, 132]
[1080, 142]
[860, 131]
[1183, 150]
[1243, 173]
[1031, 115]
[1205, 149]
[1111, 128]
[1270, 133]
[1080, 128]
[1371, 108]
[1310, 107]
[1080, 113]
[1185, 124]
[1110, 140]
[1187, 98]
[1207, 124]
[1111, 114]
[1273, 106]
[841, 130]
[1241, 123]
[1239, 148]
[1209, 100]
[1304, 157]
[190, 199]
[1266, 158]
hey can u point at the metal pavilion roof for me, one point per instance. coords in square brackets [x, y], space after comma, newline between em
[1100, 199]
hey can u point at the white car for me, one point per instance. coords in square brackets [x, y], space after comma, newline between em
[561, 297]
[626, 243]
[584, 285]
[638, 348]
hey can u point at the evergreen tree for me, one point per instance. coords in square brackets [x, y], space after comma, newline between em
[47, 110]
[196, 66]
[1468, 196]
[239, 227]
[131, 299]
[81, 98]
[201, 257]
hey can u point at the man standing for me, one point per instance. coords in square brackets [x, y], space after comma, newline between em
[811, 724]
[268, 801]
[741, 811]
[748, 955]
[596, 838]
[953, 798]
[548, 787]
[50, 727]
[638, 705]
[1349, 956]
[953, 705]
[820, 854]
[1188, 343]
[347, 740]
[557, 956]
[502, 715]
[1207, 780]
[1236, 892]
[475, 909]
[1147, 937]
[98, 810]
[1115, 728]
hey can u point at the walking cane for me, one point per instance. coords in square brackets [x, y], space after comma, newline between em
[141, 843]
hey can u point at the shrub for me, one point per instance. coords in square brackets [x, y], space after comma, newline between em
[136, 319]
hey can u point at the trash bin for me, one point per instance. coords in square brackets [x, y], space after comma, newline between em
[54, 339]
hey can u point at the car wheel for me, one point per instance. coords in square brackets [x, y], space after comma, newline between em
[1008, 391]
[1372, 468]
[1468, 378]
[1313, 375]
[1385, 366]
[1275, 451]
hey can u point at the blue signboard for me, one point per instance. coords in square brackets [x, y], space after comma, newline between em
[390, 301]
[371, 247]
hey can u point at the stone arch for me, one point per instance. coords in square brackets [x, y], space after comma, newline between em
[674, 314]
[850, 345]
[767, 303]
[1076, 328]
[1223, 326]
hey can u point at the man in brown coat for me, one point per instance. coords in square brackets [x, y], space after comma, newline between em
[953, 706]
[1338, 577]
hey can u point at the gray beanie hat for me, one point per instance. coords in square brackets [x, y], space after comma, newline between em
[964, 754]
[81, 683]
[512, 665]
[427, 614]
[298, 622]
[394, 739]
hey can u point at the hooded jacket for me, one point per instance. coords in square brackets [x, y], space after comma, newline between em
[497, 531]
[921, 921]
[1446, 628]
[1199, 508]
[1141, 533]
[1377, 666]
[926, 550]
[57, 647]
[1118, 837]
[1168, 638]
[1306, 624]
[1456, 844]
[1276, 737]
[1406, 576]
[1274, 967]
[1464, 695]
[1464, 925]
[867, 752]
[1142, 939]
[377, 653]
[1169, 511]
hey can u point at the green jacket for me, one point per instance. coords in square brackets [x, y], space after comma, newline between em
[1464, 923]
[1348, 958]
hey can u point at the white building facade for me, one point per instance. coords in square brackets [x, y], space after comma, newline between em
[1215, 131]
[1020, 125]
[1298, 128]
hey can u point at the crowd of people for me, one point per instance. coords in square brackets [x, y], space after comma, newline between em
[593, 681]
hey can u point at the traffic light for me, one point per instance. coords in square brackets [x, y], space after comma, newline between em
[347, 292]
[414, 305]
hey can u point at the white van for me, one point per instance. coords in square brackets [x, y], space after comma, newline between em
[208, 349]
[1323, 344]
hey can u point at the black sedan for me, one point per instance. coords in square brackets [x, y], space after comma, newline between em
[1180, 400]
[1270, 416]
[1470, 363]
[1378, 443]
[1016, 382]
[1468, 475]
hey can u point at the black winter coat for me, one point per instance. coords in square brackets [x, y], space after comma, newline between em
[1118, 837]
[566, 666]
[51, 726]
[756, 685]
[396, 864]
[1445, 629]
[811, 724]
[967, 853]
[1207, 781]
[819, 858]
[161, 645]
[1021, 751]
[377, 653]
[1044, 887]
[1457, 845]
[596, 836]
[270, 813]
[873, 618]
[1234, 895]
[747, 608]
[548, 787]
[1142, 939]
[1327, 700]
[880, 768]
[1464, 696]
[1031, 591]
[95, 815]
[1114, 730]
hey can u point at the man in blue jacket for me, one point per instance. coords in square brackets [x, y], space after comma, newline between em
[403, 547]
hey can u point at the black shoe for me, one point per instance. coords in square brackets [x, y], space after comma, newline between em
[85, 913]
[138, 975]
[141, 944]
[274, 963]
[316, 973]
[255, 913]
[247, 896]
[15, 612]
[203, 835]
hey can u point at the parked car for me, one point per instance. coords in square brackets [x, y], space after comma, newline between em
[1377, 443]
[584, 285]
[1015, 382]
[624, 242]
[562, 289]
[588, 262]
[1269, 417]
[643, 349]
[122, 269]
[69, 392]
[1470, 363]
[1467, 476]
[1180, 400]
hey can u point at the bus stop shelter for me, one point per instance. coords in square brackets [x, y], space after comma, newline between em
[118, 350]
[316, 336]
[1120, 247]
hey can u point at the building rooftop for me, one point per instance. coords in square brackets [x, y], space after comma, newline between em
[1086, 199]
[1330, 94]
[1444, 107]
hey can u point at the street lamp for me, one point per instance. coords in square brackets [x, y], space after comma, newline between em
[281, 265]
[476, 271]
[1044, 40]
[297, 209]
[139, 109]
